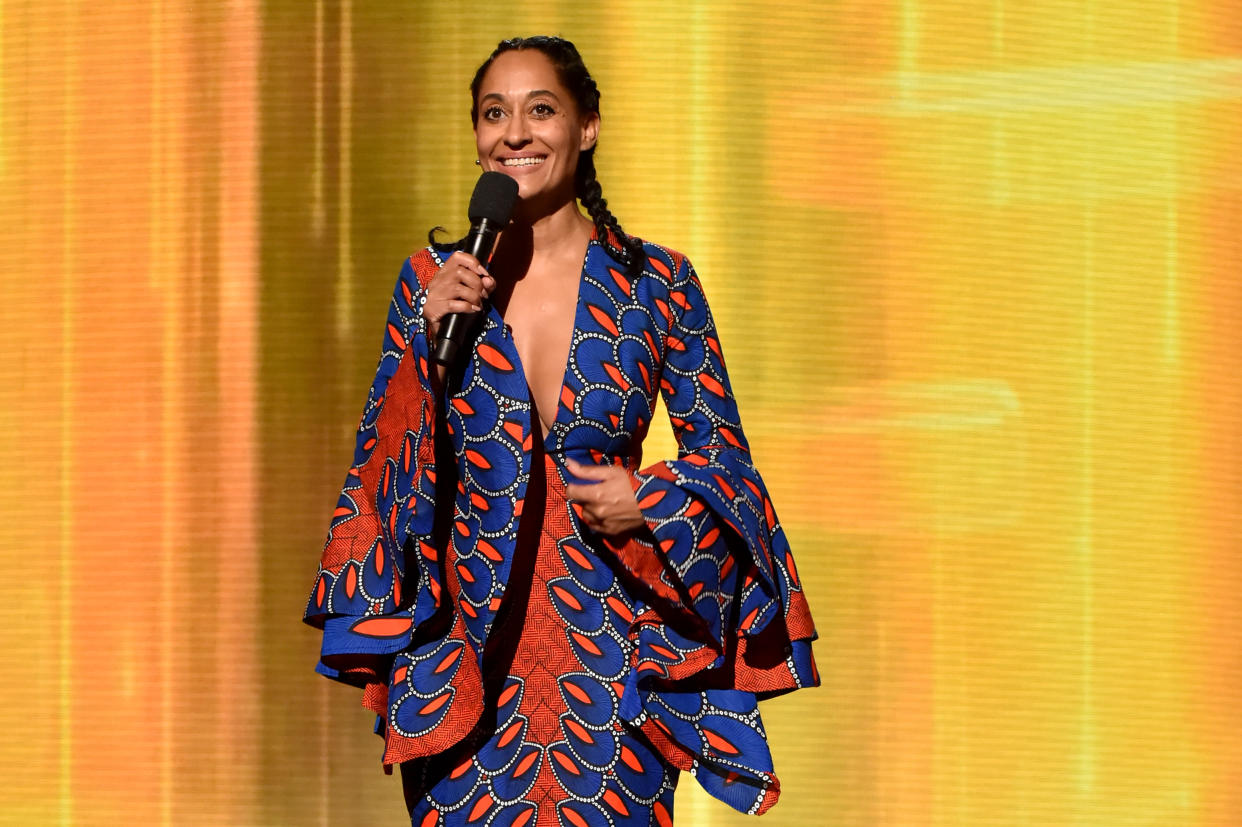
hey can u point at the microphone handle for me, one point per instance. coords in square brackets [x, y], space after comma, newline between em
[455, 327]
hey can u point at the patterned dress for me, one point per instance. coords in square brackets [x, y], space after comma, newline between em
[523, 669]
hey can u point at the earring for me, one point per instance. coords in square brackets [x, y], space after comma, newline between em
[477, 162]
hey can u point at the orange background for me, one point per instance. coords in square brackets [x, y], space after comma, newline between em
[975, 266]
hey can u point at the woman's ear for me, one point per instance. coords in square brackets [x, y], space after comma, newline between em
[590, 131]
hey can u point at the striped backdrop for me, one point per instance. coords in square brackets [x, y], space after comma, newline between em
[976, 269]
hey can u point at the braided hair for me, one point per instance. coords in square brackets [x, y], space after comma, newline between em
[573, 73]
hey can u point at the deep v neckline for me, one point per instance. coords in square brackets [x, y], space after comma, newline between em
[569, 355]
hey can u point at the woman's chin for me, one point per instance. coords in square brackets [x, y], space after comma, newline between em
[536, 202]
[529, 189]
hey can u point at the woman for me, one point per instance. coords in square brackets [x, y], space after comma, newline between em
[548, 634]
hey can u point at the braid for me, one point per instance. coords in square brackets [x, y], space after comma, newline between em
[591, 194]
[439, 246]
[574, 75]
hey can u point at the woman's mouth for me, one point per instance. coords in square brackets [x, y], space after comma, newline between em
[522, 162]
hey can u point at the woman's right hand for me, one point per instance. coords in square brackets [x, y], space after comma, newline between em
[460, 286]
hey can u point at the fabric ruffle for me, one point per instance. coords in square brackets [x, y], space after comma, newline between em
[725, 625]
[389, 497]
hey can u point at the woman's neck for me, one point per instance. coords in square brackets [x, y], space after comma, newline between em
[525, 242]
[554, 231]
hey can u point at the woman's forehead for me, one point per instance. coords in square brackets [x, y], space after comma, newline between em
[517, 73]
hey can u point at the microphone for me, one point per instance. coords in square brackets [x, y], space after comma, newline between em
[490, 206]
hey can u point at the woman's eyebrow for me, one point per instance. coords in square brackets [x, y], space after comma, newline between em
[534, 93]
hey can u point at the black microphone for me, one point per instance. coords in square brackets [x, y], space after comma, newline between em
[490, 206]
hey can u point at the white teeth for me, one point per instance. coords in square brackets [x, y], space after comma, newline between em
[521, 162]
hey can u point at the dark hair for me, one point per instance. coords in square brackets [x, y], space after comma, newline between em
[574, 76]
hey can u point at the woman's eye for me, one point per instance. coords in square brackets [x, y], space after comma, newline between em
[543, 110]
[493, 113]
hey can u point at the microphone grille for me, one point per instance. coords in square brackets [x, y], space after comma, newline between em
[494, 197]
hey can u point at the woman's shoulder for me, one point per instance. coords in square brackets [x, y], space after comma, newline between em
[663, 262]
[423, 263]
[670, 265]
[435, 252]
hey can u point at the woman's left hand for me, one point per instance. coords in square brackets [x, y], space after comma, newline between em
[607, 506]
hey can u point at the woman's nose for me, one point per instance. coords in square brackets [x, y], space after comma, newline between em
[517, 132]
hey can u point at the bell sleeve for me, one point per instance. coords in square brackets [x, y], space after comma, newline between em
[728, 623]
[364, 598]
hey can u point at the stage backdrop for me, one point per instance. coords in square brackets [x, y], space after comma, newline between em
[976, 270]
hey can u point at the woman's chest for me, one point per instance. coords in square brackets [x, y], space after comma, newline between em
[589, 366]
[540, 316]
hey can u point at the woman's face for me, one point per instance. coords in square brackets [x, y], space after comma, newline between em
[529, 127]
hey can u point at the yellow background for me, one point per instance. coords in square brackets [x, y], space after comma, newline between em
[976, 269]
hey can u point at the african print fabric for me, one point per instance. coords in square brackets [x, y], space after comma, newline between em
[661, 643]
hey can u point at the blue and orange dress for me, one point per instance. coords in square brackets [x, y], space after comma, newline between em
[525, 670]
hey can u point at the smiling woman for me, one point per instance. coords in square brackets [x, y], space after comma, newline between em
[570, 103]
[548, 634]
[532, 133]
